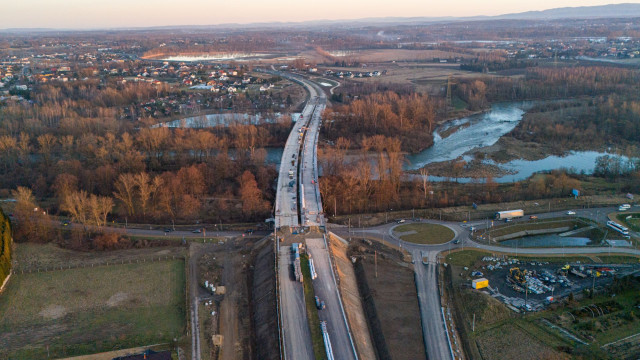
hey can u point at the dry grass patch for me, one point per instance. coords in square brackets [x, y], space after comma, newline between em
[89, 310]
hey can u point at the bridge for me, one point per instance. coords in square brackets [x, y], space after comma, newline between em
[299, 217]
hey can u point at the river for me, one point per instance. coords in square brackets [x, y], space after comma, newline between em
[477, 131]
[485, 129]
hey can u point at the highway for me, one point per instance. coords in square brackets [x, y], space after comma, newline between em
[286, 197]
[294, 322]
[300, 205]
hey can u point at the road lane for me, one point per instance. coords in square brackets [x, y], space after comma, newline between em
[325, 288]
[295, 325]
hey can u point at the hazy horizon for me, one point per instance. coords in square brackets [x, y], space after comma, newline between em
[79, 14]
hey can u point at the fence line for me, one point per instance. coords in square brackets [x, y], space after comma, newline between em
[30, 270]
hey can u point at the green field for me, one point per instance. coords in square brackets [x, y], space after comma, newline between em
[534, 225]
[82, 311]
[312, 311]
[425, 233]
[632, 220]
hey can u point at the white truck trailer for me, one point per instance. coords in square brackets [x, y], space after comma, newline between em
[509, 214]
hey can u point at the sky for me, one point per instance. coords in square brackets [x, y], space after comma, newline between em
[91, 14]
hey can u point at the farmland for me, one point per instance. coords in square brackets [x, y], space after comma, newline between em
[81, 311]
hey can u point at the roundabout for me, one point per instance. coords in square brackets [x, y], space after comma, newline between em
[424, 233]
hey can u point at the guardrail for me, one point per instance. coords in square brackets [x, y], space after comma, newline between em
[446, 331]
[281, 341]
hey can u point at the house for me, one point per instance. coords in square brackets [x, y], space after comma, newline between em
[147, 355]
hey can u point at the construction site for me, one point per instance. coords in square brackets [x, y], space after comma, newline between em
[528, 285]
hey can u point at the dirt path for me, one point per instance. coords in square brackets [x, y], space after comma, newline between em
[193, 295]
[231, 348]
[351, 299]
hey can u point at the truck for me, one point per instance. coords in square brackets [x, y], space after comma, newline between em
[509, 214]
[291, 174]
[319, 303]
[297, 269]
[479, 283]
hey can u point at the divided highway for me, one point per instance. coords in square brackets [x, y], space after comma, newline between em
[298, 204]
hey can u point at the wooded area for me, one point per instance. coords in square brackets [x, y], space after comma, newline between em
[410, 118]
[79, 155]
[6, 238]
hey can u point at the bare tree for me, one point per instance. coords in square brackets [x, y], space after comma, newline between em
[75, 203]
[146, 188]
[125, 191]
[424, 174]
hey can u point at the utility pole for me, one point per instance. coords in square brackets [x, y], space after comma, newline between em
[473, 325]
[526, 294]
[375, 261]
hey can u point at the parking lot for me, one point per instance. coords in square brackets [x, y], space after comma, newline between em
[516, 282]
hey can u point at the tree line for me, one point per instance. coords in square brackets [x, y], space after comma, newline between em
[6, 242]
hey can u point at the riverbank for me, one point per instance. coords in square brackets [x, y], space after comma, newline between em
[475, 169]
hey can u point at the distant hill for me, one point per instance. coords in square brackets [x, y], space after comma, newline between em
[626, 10]
[581, 12]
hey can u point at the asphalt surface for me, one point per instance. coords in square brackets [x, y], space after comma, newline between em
[297, 340]
[433, 330]
[325, 288]
[295, 325]
[312, 211]
[286, 197]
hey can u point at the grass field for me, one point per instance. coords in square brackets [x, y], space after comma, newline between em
[632, 220]
[83, 311]
[40, 256]
[534, 225]
[425, 233]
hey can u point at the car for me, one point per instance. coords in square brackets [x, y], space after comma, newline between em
[196, 231]
[456, 241]
[167, 230]
[533, 217]
[571, 212]
[401, 221]
[508, 220]
[249, 231]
